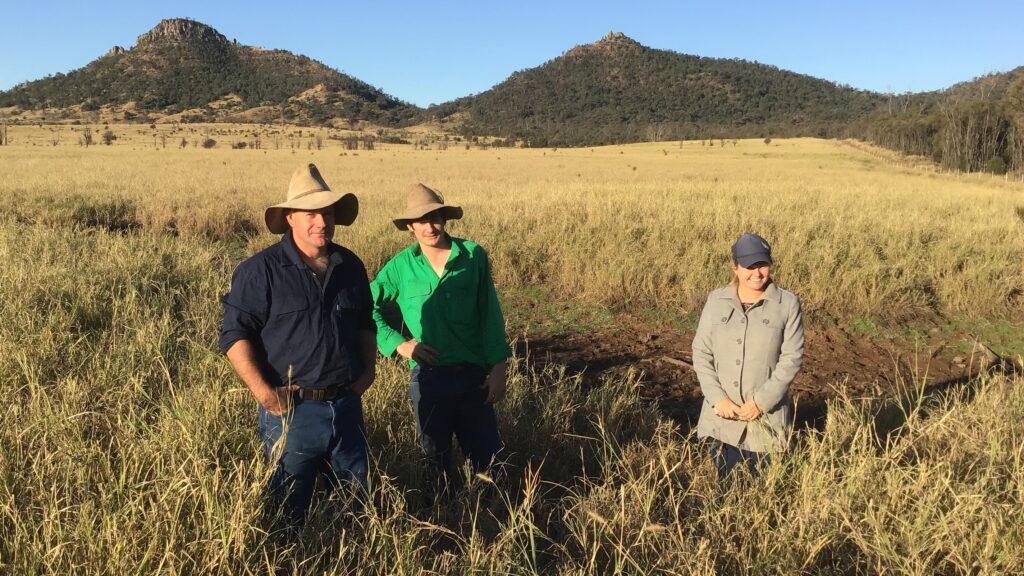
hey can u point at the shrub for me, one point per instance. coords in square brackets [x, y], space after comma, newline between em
[209, 143]
[996, 165]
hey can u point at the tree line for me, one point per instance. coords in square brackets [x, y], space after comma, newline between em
[976, 127]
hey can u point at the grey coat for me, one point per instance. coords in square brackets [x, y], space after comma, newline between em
[752, 355]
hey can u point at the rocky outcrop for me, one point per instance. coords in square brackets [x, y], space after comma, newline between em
[181, 31]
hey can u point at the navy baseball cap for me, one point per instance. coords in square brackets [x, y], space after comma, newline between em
[750, 249]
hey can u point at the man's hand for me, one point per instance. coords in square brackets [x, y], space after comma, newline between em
[749, 410]
[727, 409]
[418, 351]
[278, 400]
[496, 383]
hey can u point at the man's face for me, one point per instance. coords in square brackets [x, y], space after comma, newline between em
[312, 230]
[755, 277]
[429, 230]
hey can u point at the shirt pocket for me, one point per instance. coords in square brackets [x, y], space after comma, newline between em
[346, 309]
[769, 332]
[289, 321]
[721, 331]
[460, 299]
[414, 291]
[283, 306]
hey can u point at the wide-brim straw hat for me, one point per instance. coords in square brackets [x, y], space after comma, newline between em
[308, 191]
[422, 201]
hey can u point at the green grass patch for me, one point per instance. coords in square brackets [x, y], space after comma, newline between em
[862, 325]
[537, 311]
[1002, 336]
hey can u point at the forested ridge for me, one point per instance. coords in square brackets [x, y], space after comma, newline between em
[612, 91]
[617, 90]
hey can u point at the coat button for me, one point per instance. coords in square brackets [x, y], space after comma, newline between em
[743, 320]
[765, 321]
[724, 319]
[735, 383]
[738, 362]
[739, 340]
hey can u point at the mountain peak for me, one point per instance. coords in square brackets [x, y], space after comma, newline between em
[616, 38]
[613, 42]
[180, 31]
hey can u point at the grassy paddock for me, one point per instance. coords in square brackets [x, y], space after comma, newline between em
[130, 449]
[633, 228]
[130, 446]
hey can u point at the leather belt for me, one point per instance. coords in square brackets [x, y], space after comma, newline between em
[322, 394]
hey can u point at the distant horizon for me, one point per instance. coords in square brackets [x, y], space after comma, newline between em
[427, 55]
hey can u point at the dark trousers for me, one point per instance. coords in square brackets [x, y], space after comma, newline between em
[728, 457]
[319, 436]
[447, 401]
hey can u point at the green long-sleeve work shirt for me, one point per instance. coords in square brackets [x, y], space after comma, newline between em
[457, 313]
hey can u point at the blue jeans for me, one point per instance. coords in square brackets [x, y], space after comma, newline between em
[327, 436]
[728, 457]
[447, 401]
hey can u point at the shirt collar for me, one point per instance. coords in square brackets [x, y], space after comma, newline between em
[455, 245]
[334, 254]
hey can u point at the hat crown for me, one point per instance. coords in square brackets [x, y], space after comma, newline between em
[308, 191]
[420, 196]
[306, 180]
[750, 249]
[421, 201]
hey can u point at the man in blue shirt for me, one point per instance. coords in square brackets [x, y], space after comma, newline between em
[298, 329]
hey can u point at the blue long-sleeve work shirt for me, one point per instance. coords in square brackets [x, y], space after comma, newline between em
[294, 320]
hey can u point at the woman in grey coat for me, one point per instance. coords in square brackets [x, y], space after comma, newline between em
[748, 348]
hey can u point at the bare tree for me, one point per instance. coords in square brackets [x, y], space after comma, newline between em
[656, 132]
[3, 133]
[86, 136]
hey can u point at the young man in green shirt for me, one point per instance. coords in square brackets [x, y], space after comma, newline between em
[458, 351]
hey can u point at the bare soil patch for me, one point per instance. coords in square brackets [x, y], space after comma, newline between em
[835, 359]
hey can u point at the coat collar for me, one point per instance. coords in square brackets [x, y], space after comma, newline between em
[771, 294]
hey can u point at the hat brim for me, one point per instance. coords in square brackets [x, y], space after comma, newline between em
[748, 260]
[448, 212]
[346, 208]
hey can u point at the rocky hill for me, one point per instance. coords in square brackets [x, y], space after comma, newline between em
[186, 70]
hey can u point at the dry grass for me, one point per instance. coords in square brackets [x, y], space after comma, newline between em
[130, 445]
[644, 226]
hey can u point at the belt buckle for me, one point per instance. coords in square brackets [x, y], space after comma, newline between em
[322, 394]
[312, 394]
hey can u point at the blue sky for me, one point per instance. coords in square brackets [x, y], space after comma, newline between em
[431, 52]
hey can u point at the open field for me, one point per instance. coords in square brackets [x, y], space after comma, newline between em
[131, 446]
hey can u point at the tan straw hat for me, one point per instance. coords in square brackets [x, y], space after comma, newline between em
[422, 201]
[308, 191]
